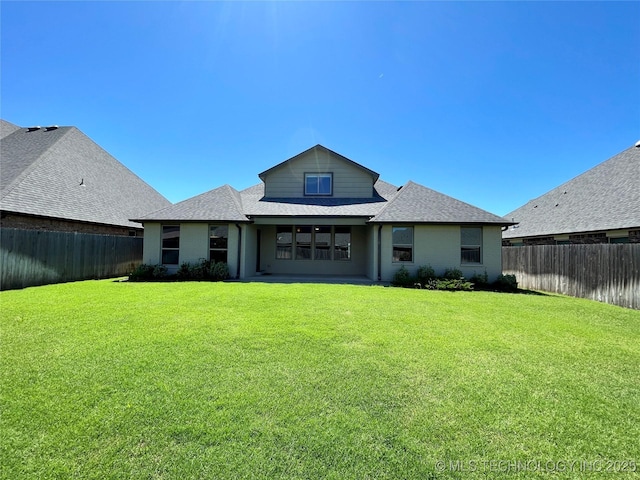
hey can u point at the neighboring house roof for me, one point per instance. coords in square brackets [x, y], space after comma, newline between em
[418, 204]
[607, 197]
[319, 148]
[412, 203]
[61, 173]
[7, 128]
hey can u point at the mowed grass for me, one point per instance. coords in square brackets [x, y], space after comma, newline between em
[102, 379]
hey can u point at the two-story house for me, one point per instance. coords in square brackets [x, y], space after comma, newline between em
[319, 213]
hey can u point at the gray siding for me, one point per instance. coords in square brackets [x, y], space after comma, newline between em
[349, 181]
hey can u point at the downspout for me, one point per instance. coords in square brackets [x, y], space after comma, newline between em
[239, 249]
[379, 253]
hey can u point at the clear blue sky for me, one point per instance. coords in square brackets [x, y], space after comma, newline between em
[492, 103]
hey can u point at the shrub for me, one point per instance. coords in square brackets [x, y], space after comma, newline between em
[425, 273]
[219, 271]
[142, 272]
[159, 272]
[506, 283]
[402, 277]
[453, 274]
[194, 271]
[480, 280]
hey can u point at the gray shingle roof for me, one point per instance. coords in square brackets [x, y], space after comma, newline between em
[62, 173]
[7, 128]
[255, 204]
[220, 204]
[415, 203]
[604, 198]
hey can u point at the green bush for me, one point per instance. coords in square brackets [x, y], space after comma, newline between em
[453, 274]
[142, 272]
[194, 271]
[506, 283]
[402, 277]
[425, 273]
[480, 280]
[219, 271]
[147, 273]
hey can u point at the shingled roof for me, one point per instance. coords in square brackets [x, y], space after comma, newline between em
[607, 197]
[415, 203]
[220, 204]
[61, 173]
[412, 203]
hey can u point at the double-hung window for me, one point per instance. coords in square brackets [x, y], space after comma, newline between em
[470, 244]
[402, 239]
[318, 184]
[218, 242]
[170, 244]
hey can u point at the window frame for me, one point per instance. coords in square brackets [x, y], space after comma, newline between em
[168, 249]
[402, 245]
[282, 248]
[219, 249]
[319, 175]
[469, 246]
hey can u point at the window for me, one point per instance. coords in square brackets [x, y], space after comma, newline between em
[322, 243]
[402, 238]
[342, 248]
[170, 244]
[218, 243]
[318, 184]
[313, 242]
[471, 245]
[303, 243]
[284, 242]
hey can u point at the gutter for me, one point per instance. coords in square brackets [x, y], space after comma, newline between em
[239, 249]
[379, 253]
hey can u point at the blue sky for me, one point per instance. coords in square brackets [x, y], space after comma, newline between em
[493, 103]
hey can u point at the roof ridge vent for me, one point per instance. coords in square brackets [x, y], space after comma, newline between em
[52, 127]
[638, 144]
[33, 129]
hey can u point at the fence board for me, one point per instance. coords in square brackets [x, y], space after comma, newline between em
[34, 257]
[605, 272]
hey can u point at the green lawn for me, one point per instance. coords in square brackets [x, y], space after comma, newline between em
[102, 379]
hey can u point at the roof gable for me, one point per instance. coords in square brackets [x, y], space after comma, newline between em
[61, 173]
[414, 203]
[314, 150]
[605, 197]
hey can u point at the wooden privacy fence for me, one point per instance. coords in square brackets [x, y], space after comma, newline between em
[34, 257]
[605, 272]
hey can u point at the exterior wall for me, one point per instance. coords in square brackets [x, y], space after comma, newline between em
[348, 180]
[194, 244]
[32, 222]
[356, 266]
[249, 251]
[152, 243]
[439, 246]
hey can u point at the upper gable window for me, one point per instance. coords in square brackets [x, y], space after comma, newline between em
[318, 184]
